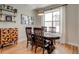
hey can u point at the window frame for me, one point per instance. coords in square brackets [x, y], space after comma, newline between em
[51, 11]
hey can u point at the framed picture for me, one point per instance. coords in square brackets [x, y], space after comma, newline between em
[30, 20]
[8, 18]
[26, 20]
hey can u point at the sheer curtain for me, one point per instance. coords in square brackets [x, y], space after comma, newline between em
[63, 24]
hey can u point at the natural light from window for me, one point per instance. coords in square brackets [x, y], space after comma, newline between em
[52, 19]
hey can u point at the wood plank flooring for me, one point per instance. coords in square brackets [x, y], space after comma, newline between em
[21, 48]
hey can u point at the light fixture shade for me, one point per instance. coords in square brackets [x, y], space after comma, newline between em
[40, 14]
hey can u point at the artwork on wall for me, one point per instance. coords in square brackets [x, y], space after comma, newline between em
[26, 20]
[23, 19]
[8, 18]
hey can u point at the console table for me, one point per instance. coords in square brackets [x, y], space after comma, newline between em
[8, 36]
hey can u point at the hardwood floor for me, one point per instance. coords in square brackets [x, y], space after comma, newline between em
[21, 48]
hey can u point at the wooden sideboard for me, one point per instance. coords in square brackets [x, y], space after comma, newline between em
[8, 36]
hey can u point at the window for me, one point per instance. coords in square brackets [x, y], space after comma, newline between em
[56, 20]
[48, 20]
[52, 19]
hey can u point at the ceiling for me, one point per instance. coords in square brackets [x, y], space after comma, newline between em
[35, 6]
[30, 6]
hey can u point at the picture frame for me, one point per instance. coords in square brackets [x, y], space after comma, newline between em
[8, 18]
[26, 20]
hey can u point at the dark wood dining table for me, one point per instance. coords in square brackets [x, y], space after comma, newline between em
[50, 36]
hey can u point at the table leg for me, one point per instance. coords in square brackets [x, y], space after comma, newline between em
[51, 47]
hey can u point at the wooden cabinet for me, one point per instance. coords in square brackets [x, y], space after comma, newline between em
[8, 36]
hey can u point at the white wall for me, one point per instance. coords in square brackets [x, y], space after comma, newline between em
[21, 28]
[78, 26]
[37, 20]
[72, 24]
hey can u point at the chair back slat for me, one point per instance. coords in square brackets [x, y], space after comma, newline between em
[29, 33]
[44, 29]
[52, 29]
[38, 32]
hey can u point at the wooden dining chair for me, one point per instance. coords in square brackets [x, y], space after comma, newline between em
[29, 36]
[52, 29]
[39, 41]
[44, 29]
[42, 42]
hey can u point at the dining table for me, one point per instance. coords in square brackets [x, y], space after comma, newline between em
[51, 36]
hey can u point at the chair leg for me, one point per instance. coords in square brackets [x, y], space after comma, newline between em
[35, 48]
[32, 47]
[43, 50]
[32, 44]
[27, 43]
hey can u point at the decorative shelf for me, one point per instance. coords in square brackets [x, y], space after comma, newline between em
[6, 21]
[6, 10]
[7, 13]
